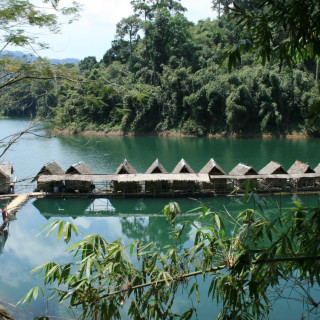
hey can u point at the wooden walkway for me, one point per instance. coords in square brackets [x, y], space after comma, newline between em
[17, 203]
[13, 207]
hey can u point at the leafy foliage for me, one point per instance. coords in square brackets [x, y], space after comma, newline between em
[243, 267]
[164, 73]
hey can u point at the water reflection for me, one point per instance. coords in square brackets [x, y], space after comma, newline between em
[3, 239]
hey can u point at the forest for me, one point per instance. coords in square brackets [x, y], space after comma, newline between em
[164, 74]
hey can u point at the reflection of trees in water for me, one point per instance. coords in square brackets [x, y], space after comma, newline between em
[155, 229]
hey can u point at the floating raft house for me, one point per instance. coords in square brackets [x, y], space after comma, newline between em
[182, 181]
[302, 168]
[179, 185]
[273, 168]
[126, 186]
[212, 168]
[242, 170]
[76, 185]
[158, 186]
[49, 169]
[6, 170]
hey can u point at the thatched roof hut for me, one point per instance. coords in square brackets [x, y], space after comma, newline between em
[125, 168]
[183, 186]
[317, 168]
[212, 168]
[6, 169]
[299, 167]
[156, 186]
[182, 167]
[77, 184]
[5, 175]
[302, 168]
[51, 168]
[156, 167]
[79, 168]
[126, 186]
[242, 170]
[273, 168]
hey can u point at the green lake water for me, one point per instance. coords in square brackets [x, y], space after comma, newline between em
[128, 219]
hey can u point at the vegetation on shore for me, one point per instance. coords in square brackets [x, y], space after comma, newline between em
[164, 74]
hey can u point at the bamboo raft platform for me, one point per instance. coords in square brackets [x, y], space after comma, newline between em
[106, 191]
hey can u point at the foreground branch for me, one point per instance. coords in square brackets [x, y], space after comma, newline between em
[196, 273]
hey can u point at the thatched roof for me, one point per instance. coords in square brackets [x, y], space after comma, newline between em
[182, 167]
[79, 168]
[300, 167]
[317, 168]
[242, 170]
[128, 177]
[273, 168]
[197, 177]
[212, 167]
[6, 169]
[156, 167]
[125, 168]
[51, 168]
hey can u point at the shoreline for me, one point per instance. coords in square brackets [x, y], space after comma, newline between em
[175, 134]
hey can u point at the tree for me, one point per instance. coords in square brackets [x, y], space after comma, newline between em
[129, 27]
[221, 6]
[297, 21]
[87, 64]
[18, 16]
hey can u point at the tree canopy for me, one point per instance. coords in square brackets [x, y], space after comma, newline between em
[164, 73]
[17, 17]
[284, 30]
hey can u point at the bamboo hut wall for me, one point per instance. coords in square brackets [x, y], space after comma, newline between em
[157, 186]
[126, 187]
[4, 184]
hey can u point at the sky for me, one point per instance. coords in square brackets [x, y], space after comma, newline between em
[92, 34]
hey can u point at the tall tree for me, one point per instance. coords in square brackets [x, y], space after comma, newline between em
[221, 6]
[129, 27]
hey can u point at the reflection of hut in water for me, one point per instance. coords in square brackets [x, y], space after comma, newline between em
[126, 186]
[273, 168]
[302, 168]
[181, 185]
[76, 185]
[214, 169]
[51, 168]
[5, 177]
[242, 170]
[156, 186]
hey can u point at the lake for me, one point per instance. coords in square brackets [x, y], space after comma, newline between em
[128, 219]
